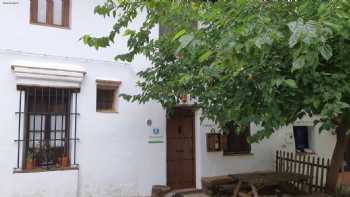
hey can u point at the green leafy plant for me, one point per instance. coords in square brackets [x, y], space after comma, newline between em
[341, 191]
[250, 61]
[29, 156]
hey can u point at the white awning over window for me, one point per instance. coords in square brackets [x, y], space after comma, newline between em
[48, 74]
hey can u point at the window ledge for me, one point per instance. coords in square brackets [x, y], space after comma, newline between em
[52, 25]
[37, 170]
[107, 111]
[237, 154]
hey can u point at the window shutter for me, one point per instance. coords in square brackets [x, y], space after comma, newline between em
[34, 11]
[65, 13]
[214, 142]
[224, 141]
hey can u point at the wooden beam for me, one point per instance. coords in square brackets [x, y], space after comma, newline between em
[49, 12]
[33, 11]
[65, 13]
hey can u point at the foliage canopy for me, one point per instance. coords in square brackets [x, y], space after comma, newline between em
[267, 62]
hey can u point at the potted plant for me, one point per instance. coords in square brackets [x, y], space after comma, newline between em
[29, 161]
[183, 98]
[64, 161]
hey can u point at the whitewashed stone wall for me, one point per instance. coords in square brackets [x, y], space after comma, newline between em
[114, 154]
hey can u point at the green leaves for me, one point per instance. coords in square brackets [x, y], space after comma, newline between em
[333, 109]
[263, 40]
[205, 56]
[291, 83]
[129, 32]
[265, 63]
[307, 32]
[96, 42]
[298, 63]
[184, 40]
[179, 34]
[296, 27]
[184, 78]
[326, 51]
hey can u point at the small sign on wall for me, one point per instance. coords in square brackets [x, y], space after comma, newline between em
[155, 136]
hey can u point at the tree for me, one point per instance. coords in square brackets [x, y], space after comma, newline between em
[266, 62]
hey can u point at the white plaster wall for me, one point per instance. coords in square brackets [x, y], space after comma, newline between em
[18, 34]
[322, 143]
[8, 127]
[263, 153]
[53, 184]
[114, 154]
[216, 164]
[115, 158]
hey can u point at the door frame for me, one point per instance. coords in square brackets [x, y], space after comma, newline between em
[190, 110]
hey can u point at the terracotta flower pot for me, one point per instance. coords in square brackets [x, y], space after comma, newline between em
[65, 161]
[29, 164]
[183, 98]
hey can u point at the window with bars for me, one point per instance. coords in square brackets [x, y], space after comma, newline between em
[47, 117]
[50, 12]
[106, 95]
[237, 144]
[301, 138]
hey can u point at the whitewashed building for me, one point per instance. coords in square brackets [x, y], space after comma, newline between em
[65, 132]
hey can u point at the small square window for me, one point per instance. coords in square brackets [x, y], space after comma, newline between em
[302, 138]
[237, 144]
[106, 96]
[50, 12]
[105, 99]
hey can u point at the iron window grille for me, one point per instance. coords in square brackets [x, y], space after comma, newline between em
[47, 127]
[105, 99]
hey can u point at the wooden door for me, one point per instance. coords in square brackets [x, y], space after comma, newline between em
[181, 150]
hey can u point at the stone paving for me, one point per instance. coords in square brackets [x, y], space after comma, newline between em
[205, 195]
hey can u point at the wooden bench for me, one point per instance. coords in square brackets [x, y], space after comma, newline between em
[160, 190]
[211, 185]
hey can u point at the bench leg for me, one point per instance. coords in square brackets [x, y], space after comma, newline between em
[279, 194]
[237, 188]
[254, 190]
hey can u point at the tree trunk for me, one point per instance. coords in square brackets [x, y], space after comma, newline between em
[337, 159]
